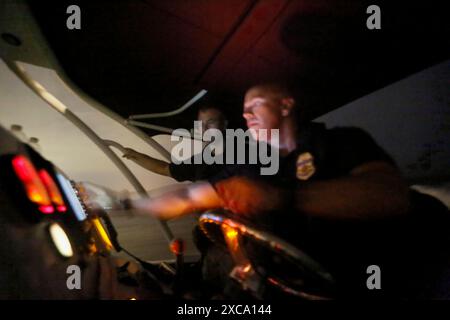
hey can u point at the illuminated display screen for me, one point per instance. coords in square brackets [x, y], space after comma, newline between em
[71, 196]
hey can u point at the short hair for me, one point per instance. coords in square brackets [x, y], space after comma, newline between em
[209, 106]
[281, 90]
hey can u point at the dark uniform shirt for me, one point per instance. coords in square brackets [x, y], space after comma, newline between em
[192, 171]
[332, 153]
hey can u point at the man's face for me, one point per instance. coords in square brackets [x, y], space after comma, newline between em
[211, 119]
[262, 110]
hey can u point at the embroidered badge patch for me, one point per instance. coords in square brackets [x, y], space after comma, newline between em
[305, 166]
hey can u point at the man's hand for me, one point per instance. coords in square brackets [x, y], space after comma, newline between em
[195, 197]
[248, 197]
[96, 197]
[131, 154]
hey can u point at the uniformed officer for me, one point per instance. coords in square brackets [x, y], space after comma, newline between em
[337, 194]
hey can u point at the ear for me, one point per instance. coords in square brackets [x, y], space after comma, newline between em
[286, 106]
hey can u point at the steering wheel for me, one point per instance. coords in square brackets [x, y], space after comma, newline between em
[263, 261]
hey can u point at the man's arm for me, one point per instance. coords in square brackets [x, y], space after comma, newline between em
[371, 190]
[147, 162]
[194, 197]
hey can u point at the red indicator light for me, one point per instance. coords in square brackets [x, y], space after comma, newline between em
[61, 208]
[46, 209]
[34, 187]
[177, 246]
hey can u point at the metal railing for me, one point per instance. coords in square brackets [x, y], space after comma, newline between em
[170, 113]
